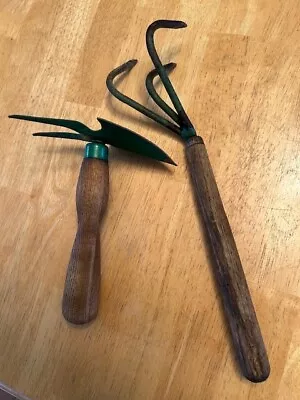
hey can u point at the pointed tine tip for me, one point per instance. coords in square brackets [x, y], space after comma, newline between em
[47, 134]
[169, 160]
[181, 24]
[15, 116]
[167, 23]
[131, 63]
[169, 67]
[25, 117]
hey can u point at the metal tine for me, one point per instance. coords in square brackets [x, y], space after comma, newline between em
[126, 67]
[184, 119]
[65, 135]
[76, 126]
[155, 96]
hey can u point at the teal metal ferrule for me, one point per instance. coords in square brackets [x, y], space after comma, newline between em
[96, 150]
[187, 133]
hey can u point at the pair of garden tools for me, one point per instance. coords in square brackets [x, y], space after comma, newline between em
[81, 293]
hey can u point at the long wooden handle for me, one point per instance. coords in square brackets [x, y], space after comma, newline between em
[81, 293]
[228, 270]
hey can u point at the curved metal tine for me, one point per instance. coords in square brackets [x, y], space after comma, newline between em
[65, 135]
[126, 67]
[155, 96]
[76, 126]
[184, 119]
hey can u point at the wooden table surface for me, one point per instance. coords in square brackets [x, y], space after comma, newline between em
[160, 333]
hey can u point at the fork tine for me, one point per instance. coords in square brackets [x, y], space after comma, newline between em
[155, 96]
[132, 103]
[184, 119]
[63, 135]
[66, 123]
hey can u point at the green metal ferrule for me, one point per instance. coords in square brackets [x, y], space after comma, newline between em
[187, 133]
[96, 150]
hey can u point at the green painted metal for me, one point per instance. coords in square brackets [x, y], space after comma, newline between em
[96, 150]
[110, 133]
[187, 132]
[181, 124]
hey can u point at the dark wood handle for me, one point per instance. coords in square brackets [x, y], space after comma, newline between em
[81, 293]
[228, 270]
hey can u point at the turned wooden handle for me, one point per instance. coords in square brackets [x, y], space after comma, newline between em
[228, 270]
[81, 293]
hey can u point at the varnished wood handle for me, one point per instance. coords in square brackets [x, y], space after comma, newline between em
[81, 293]
[228, 270]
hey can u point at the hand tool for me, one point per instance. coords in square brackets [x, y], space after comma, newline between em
[228, 271]
[81, 292]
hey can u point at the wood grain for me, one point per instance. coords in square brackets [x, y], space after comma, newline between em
[233, 288]
[81, 292]
[160, 333]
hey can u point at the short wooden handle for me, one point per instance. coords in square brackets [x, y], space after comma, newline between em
[81, 293]
[228, 270]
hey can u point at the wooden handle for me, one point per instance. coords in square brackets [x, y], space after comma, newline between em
[228, 270]
[81, 293]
